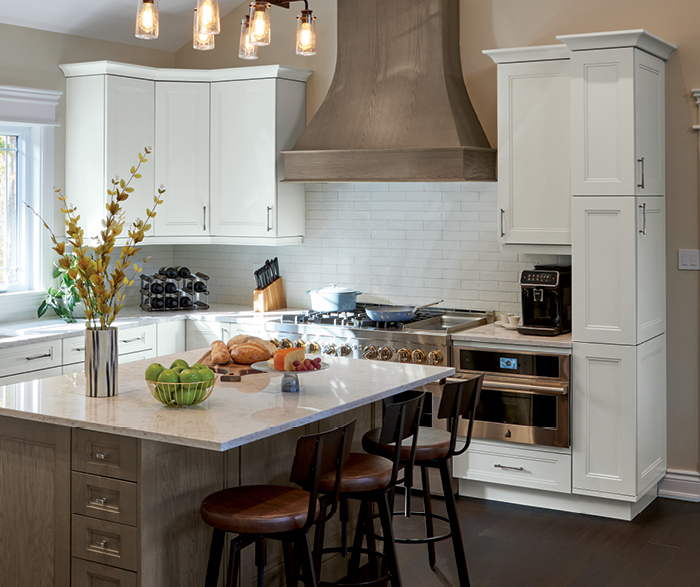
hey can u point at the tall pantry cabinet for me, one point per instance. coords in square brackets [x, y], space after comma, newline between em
[618, 259]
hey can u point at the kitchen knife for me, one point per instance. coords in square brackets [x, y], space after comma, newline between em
[257, 279]
[276, 265]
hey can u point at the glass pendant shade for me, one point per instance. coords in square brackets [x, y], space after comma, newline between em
[246, 49]
[201, 41]
[306, 33]
[260, 23]
[147, 19]
[208, 22]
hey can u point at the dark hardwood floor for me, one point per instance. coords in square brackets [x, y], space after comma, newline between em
[509, 546]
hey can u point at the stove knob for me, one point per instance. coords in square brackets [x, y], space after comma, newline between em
[345, 350]
[434, 358]
[300, 344]
[313, 347]
[275, 342]
[385, 353]
[418, 356]
[329, 349]
[404, 355]
[285, 343]
[370, 352]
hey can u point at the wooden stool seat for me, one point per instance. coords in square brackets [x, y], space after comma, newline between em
[361, 473]
[257, 509]
[432, 443]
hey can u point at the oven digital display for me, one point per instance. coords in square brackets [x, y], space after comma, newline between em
[509, 363]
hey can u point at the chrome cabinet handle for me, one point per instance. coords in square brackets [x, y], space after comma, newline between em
[101, 455]
[128, 340]
[644, 218]
[101, 500]
[269, 226]
[49, 354]
[641, 160]
[101, 543]
[503, 213]
[80, 349]
[204, 219]
[499, 466]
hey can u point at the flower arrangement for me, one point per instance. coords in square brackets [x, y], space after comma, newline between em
[102, 291]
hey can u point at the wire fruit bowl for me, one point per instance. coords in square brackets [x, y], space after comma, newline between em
[177, 395]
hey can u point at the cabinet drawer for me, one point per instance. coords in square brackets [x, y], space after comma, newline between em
[104, 454]
[141, 338]
[107, 499]
[509, 465]
[74, 350]
[89, 574]
[104, 542]
[30, 357]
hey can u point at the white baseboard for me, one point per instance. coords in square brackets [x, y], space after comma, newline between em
[679, 484]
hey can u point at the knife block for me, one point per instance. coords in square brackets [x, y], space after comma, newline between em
[270, 298]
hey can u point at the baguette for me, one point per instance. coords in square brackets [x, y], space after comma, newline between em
[219, 353]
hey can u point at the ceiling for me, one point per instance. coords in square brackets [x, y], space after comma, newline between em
[109, 20]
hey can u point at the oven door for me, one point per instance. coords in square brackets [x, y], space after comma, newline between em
[525, 410]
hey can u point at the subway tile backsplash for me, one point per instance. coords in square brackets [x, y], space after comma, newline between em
[399, 243]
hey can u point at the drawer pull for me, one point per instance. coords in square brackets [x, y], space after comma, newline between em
[101, 500]
[499, 466]
[101, 455]
[80, 349]
[49, 354]
[101, 543]
[127, 341]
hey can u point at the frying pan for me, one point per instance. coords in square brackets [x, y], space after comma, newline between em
[395, 313]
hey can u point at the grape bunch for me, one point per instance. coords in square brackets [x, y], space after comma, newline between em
[308, 365]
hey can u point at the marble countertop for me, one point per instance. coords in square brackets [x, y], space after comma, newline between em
[21, 333]
[235, 414]
[498, 334]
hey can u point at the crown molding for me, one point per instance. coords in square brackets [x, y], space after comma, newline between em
[28, 105]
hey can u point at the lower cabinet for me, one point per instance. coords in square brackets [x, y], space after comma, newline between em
[201, 333]
[619, 418]
[30, 376]
[170, 337]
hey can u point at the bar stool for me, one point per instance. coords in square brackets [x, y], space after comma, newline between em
[434, 449]
[260, 512]
[369, 479]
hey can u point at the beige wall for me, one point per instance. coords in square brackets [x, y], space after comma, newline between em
[488, 24]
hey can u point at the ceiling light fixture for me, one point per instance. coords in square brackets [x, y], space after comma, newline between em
[306, 33]
[201, 41]
[260, 23]
[246, 49]
[147, 19]
[208, 22]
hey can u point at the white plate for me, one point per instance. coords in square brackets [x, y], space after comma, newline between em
[509, 327]
[265, 368]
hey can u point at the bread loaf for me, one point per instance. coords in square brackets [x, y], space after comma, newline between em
[249, 353]
[219, 353]
[246, 338]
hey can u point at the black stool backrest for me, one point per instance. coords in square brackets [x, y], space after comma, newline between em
[401, 421]
[317, 455]
[460, 398]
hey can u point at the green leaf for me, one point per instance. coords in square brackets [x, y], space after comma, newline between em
[41, 310]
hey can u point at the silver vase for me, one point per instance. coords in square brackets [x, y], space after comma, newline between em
[101, 356]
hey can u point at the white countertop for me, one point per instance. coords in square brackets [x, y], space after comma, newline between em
[235, 414]
[497, 334]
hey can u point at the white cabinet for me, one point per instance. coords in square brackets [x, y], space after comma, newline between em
[30, 357]
[618, 113]
[30, 376]
[619, 269]
[201, 333]
[182, 158]
[171, 337]
[252, 121]
[134, 344]
[619, 418]
[534, 180]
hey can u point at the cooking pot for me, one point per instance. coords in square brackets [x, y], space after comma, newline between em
[395, 313]
[333, 299]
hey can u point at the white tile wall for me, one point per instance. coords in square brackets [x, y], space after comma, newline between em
[400, 243]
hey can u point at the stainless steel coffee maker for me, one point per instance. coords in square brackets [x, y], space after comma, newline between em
[546, 300]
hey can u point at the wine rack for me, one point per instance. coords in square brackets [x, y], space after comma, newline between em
[160, 293]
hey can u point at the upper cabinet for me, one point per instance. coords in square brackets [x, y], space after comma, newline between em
[618, 113]
[534, 180]
[217, 137]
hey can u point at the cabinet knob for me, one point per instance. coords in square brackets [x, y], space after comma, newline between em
[101, 455]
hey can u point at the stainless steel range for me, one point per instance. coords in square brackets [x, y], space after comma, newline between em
[424, 340]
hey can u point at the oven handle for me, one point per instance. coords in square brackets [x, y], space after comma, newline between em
[526, 388]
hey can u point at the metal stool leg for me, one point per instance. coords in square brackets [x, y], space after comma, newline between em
[454, 525]
[318, 542]
[234, 562]
[428, 514]
[389, 545]
[306, 560]
[260, 560]
[360, 532]
[217, 547]
[290, 572]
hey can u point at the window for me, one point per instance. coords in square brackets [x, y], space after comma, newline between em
[17, 253]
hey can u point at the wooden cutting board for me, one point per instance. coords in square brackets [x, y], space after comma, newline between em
[227, 372]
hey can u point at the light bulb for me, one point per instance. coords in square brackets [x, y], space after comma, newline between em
[201, 41]
[208, 22]
[260, 23]
[246, 49]
[147, 19]
[306, 33]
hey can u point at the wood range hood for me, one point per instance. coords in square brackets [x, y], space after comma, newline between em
[397, 108]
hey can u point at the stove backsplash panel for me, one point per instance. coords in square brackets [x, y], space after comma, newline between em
[402, 243]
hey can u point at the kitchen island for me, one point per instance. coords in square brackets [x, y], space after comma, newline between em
[109, 489]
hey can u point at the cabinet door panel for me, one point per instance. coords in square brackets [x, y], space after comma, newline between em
[603, 265]
[604, 423]
[602, 122]
[651, 268]
[171, 337]
[182, 157]
[200, 334]
[243, 171]
[534, 188]
[130, 128]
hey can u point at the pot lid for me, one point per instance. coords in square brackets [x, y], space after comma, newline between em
[334, 289]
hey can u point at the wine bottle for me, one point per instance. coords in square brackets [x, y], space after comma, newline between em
[170, 287]
[185, 302]
[200, 286]
[171, 303]
[183, 272]
[157, 288]
[157, 303]
[169, 272]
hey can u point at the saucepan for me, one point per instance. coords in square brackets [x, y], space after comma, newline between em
[395, 313]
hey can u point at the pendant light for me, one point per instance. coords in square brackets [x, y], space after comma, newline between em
[246, 49]
[208, 21]
[147, 19]
[201, 41]
[306, 33]
[260, 23]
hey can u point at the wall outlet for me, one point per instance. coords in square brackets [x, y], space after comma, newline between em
[689, 259]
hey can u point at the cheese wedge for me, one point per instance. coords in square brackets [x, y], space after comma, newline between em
[284, 358]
